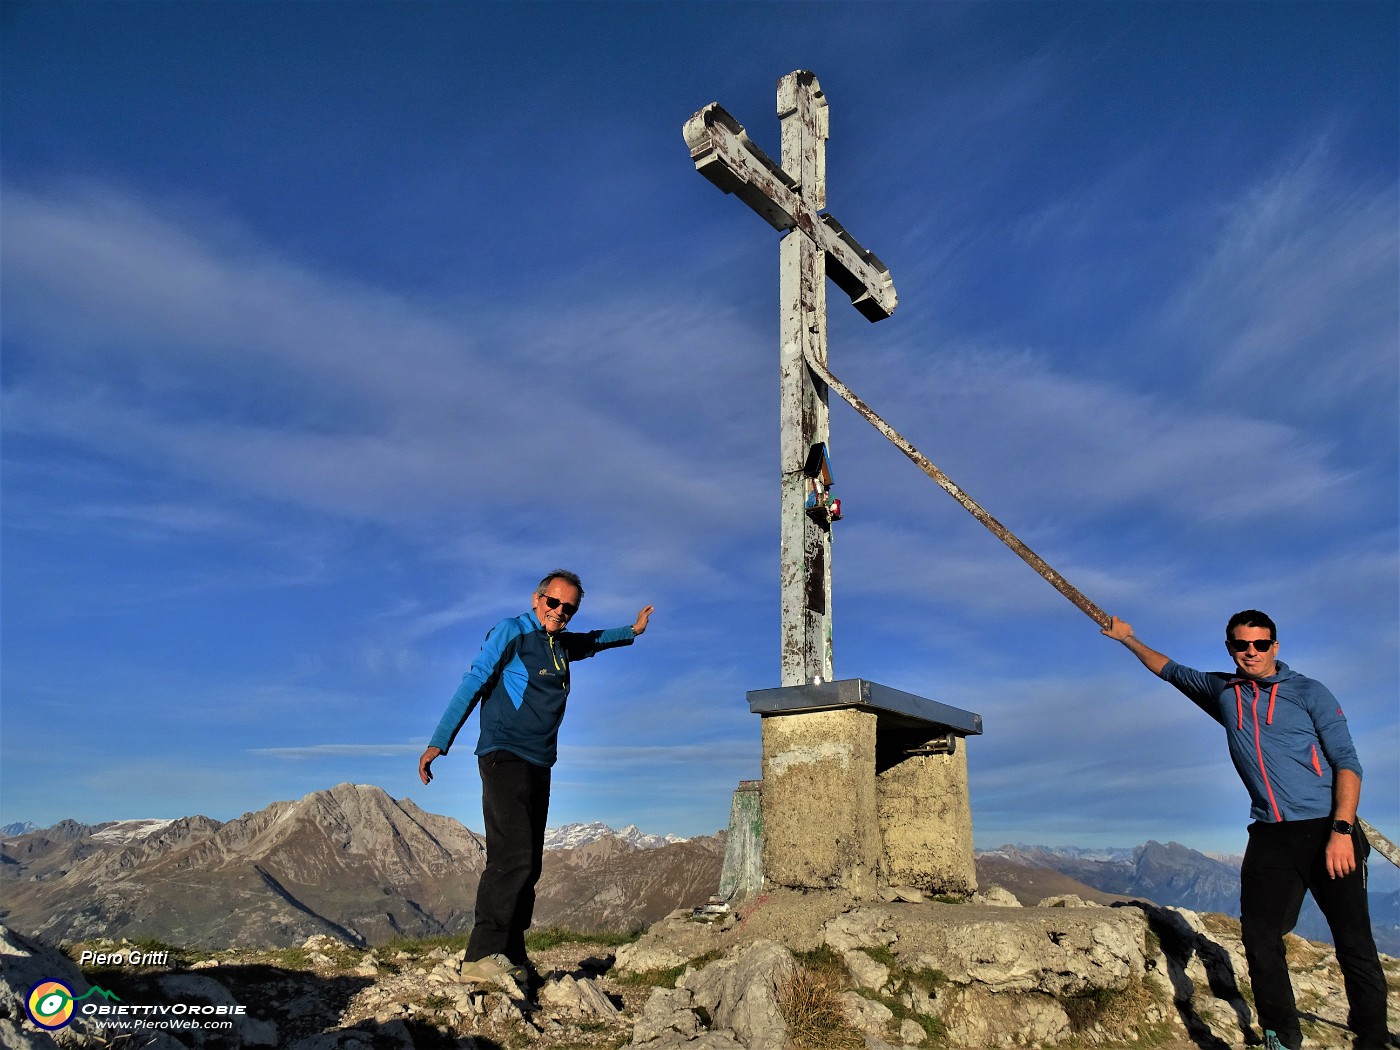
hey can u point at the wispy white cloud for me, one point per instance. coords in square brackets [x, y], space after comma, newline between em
[1294, 308]
[1030, 436]
[340, 751]
[231, 364]
[621, 757]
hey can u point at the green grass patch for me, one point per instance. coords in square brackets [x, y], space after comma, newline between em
[664, 978]
[904, 988]
[823, 960]
[881, 954]
[927, 981]
[1085, 1009]
[553, 936]
[416, 948]
[1116, 1010]
[1246, 991]
[292, 958]
[1151, 942]
[438, 1002]
[148, 945]
[826, 963]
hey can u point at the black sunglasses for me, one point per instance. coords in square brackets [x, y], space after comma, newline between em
[1261, 645]
[555, 603]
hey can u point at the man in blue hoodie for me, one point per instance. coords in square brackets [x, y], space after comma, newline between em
[1290, 745]
[521, 680]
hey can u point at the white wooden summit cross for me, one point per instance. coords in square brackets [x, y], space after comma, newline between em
[881, 766]
[791, 197]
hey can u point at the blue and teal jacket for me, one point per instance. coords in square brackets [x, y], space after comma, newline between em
[521, 680]
[1287, 736]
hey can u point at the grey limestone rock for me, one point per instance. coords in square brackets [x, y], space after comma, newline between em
[740, 993]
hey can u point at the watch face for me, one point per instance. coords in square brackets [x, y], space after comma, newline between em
[1341, 827]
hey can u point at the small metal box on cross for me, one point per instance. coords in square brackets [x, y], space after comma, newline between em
[790, 197]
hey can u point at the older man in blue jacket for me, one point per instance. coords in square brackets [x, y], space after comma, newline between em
[1290, 745]
[521, 680]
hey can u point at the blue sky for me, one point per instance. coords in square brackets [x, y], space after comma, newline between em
[327, 329]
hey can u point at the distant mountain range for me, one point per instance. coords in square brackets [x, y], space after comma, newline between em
[571, 836]
[350, 862]
[1172, 874]
[358, 865]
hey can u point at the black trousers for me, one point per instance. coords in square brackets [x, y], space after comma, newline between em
[1281, 863]
[515, 804]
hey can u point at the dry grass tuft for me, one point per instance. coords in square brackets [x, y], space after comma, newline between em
[1115, 1011]
[810, 1002]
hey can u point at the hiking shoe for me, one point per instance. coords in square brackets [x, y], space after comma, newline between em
[492, 968]
[1271, 1040]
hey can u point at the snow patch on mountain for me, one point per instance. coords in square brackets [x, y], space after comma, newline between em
[121, 832]
[571, 836]
[1022, 852]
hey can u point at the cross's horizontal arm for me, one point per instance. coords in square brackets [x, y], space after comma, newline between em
[724, 154]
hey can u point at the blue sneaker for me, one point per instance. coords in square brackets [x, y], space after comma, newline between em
[1271, 1041]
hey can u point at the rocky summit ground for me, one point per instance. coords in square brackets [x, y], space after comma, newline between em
[785, 971]
[327, 995]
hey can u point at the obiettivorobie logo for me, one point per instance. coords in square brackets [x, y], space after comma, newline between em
[51, 1003]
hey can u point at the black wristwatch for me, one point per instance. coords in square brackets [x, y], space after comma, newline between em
[1341, 827]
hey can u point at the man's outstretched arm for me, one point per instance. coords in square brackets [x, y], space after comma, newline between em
[1123, 632]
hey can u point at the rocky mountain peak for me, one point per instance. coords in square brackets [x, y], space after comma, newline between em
[349, 861]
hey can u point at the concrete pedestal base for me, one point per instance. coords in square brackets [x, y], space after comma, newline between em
[820, 829]
[864, 786]
[926, 824]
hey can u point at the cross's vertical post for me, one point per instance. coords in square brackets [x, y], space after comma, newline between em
[790, 196]
[879, 766]
[805, 592]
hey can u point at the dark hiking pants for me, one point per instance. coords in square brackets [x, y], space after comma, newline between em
[1281, 863]
[515, 805]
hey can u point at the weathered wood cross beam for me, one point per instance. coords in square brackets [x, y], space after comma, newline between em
[790, 197]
